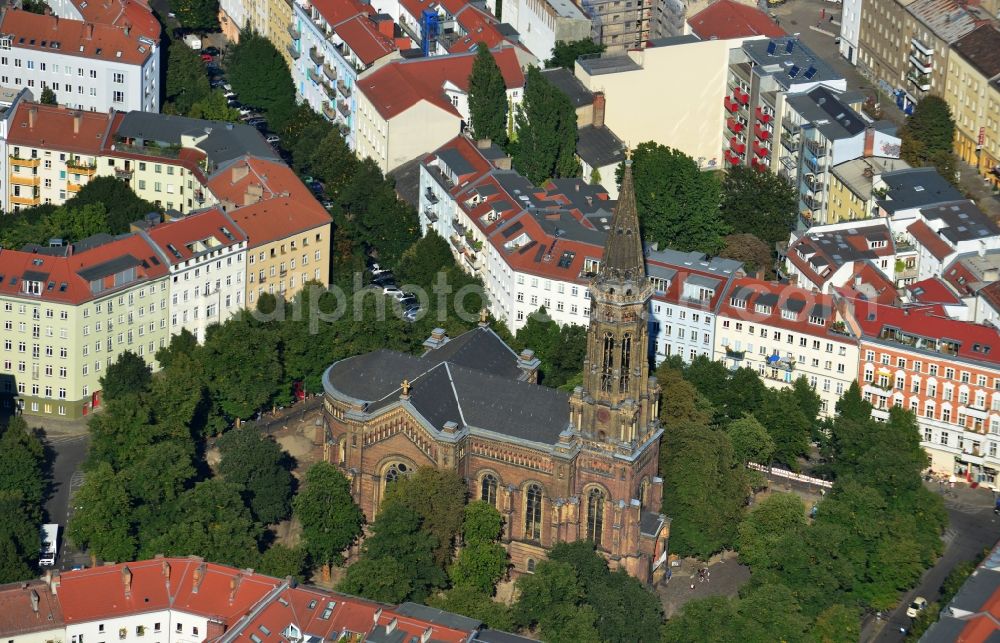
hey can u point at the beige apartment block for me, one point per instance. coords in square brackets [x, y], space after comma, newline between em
[973, 93]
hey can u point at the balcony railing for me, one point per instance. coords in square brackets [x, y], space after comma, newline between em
[25, 179]
[921, 81]
[123, 173]
[329, 91]
[735, 354]
[329, 111]
[294, 32]
[313, 76]
[329, 71]
[315, 56]
[79, 167]
[343, 108]
[921, 65]
[344, 89]
[293, 51]
[16, 160]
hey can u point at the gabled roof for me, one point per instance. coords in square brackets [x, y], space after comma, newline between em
[932, 291]
[17, 614]
[135, 14]
[57, 128]
[194, 235]
[725, 19]
[821, 251]
[399, 85]
[915, 187]
[47, 33]
[981, 48]
[929, 239]
[783, 306]
[364, 39]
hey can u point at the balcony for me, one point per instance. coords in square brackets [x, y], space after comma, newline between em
[330, 92]
[125, 174]
[329, 112]
[329, 72]
[344, 89]
[790, 142]
[813, 183]
[920, 81]
[735, 354]
[813, 202]
[83, 169]
[25, 199]
[293, 51]
[923, 66]
[816, 147]
[73, 187]
[25, 179]
[921, 47]
[343, 108]
[761, 132]
[734, 126]
[294, 32]
[14, 160]
[315, 56]
[430, 197]
[782, 363]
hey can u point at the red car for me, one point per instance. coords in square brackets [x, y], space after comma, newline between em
[206, 58]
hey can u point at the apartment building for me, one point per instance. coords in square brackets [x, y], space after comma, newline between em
[731, 20]
[288, 232]
[904, 45]
[973, 93]
[850, 29]
[278, 29]
[850, 193]
[333, 42]
[206, 256]
[408, 108]
[688, 288]
[783, 333]
[93, 67]
[947, 372]
[975, 279]
[534, 247]
[188, 600]
[450, 26]
[69, 312]
[823, 258]
[623, 26]
[540, 24]
[760, 77]
[819, 131]
[167, 159]
[52, 153]
[946, 230]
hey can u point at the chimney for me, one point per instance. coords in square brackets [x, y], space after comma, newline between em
[55, 24]
[386, 27]
[869, 142]
[599, 104]
[502, 163]
[197, 577]
[234, 586]
[240, 171]
[54, 581]
[77, 118]
[32, 115]
[34, 601]
[528, 364]
[391, 627]
[88, 30]
[437, 339]
[165, 569]
[127, 28]
[484, 143]
[127, 580]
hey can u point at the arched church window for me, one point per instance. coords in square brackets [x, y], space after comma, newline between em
[395, 471]
[625, 363]
[531, 565]
[607, 362]
[533, 513]
[595, 515]
[488, 491]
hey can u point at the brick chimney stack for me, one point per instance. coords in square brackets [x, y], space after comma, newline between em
[197, 577]
[32, 115]
[127, 580]
[599, 106]
[34, 601]
[77, 119]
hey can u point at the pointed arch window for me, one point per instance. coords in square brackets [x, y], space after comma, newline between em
[533, 513]
[607, 362]
[488, 489]
[395, 471]
[625, 364]
[595, 515]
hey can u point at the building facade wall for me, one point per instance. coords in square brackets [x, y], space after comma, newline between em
[207, 289]
[850, 26]
[163, 625]
[281, 267]
[975, 106]
[163, 181]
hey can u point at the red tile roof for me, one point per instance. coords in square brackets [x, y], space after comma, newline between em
[977, 342]
[400, 85]
[961, 277]
[136, 14]
[869, 284]
[74, 38]
[932, 291]
[725, 19]
[18, 617]
[56, 127]
[182, 234]
[364, 39]
[925, 236]
[991, 293]
[800, 303]
[819, 253]
[336, 11]
[64, 272]
[266, 200]
[478, 25]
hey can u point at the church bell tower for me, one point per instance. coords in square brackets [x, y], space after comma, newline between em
[616, 407]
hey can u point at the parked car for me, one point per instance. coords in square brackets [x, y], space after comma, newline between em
[407, 300]
[316, 187]
[211, 51]
[383, 281]
[217, 83]
[256, 120]
[918, 605]
[327, 203]
[207, 58]
[410, 314]
[228, 88]
[392, 291]
[273, 139]
[228, 93]
[378, 270]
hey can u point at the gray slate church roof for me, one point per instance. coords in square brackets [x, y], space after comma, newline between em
[472, 380]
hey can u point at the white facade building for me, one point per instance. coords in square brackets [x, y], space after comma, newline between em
[206, 253]
[850, 27]
[88, 66]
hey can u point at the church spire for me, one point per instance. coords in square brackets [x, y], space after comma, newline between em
[623, 258]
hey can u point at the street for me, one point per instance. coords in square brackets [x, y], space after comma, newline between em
[69, 452]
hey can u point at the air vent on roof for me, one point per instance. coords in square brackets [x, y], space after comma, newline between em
[118, 54]
[36, 262]
[918, 188]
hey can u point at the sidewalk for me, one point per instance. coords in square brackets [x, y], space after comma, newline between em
[978, 189]
[726, 577]
[964, 495]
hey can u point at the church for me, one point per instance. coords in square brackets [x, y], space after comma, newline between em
[559, 467]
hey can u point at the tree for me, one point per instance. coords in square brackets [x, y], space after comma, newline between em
[127, 375]
[483, 560]
[808, 400]
[214, 107]
[552, 600]
[678, 203]
[487, 98]
[242, 377]
[330, 520]
[566, 53]
[260, 76]
[48, 97]
[187, 82]
[927, 137]
[837, 624]
[787, 425]
[437, 497]
[198, 15]
[122, 430]
[22, 462]
[482, 523]
[397, 537]
[751, 441]
[282, 561]
[754, 253]
[423, 260]
[468, 601]
[763, 532]
[379, 579]
[376, 218]
[704, 489]
[759, 203]
[260, 468]
[116, 198]
[680, 401]
[103, 522]
[18, 538]
[710, 620]
[561, 348]
[209, 520]
[183, 343]
[35, 6]
[546, 131]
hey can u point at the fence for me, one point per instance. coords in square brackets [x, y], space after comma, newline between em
[790, 475]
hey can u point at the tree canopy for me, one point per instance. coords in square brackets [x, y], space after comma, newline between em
[565, 53]
[260, 468]
[545, 124]
[187, 82]
[260, 76]
[127, 375]
[487, 98]
[561, 348]
[758, 203]
[331, 522]
[927, 137]
[678, 203]
[197, 15]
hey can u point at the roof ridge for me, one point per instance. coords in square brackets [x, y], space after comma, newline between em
[458, 401]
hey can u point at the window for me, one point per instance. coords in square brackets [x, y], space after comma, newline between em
[533, 513]
[488, 491]
[394, 471]
[119, 97]
[595, 516]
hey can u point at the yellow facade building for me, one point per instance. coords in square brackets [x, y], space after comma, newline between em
[851, 186]
[973, 93]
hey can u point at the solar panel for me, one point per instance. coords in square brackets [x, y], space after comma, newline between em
[810, 72]
[771, 46]
[794, 71]
[789, 45]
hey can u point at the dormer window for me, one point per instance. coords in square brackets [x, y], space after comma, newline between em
[762, 309]
[874, 244]
[787, 314]
[659, 284]
[737, 302]
[818, 321]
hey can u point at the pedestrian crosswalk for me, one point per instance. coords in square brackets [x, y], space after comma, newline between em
[64, 438]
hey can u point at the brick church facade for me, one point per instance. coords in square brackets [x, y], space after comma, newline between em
[559, 467]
